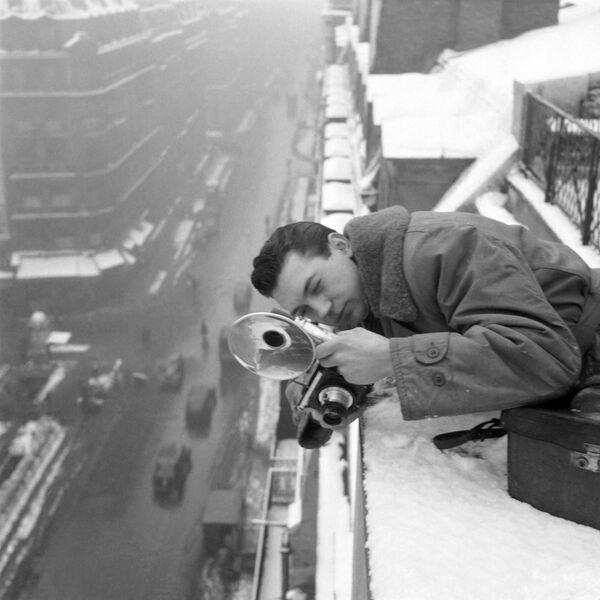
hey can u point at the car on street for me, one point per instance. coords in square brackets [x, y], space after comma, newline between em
[171, 469]
[171, 372]
[200, 403]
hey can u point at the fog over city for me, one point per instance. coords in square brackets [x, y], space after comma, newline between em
[148, 149]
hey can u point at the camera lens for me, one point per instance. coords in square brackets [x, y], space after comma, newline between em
[273, 338]
[333, 413]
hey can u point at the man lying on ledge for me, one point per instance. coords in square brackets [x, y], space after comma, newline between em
[465, 313]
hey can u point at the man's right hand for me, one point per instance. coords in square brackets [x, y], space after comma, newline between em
[361, 356]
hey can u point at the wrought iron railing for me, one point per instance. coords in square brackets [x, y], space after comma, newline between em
[563, 153]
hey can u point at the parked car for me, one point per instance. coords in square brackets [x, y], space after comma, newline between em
[171, 372]
[200, 403]
[173, 465]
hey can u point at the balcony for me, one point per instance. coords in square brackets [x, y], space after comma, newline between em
[563, 154]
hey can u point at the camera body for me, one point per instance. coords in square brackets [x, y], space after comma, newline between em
[278, 346]
[330, 399]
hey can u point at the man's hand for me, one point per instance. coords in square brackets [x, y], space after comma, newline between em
[361, 357]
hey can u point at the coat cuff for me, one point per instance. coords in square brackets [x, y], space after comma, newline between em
[422, 373]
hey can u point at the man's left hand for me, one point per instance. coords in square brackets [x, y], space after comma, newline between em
[361, 356]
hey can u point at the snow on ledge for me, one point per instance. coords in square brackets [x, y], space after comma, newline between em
[443, 525]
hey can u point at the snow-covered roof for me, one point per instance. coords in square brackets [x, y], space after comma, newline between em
[474, 91]
[436, 136]
[338, 110]
[443, 524]
[336, 197]
[407, 83]
[333, 130]
[109, 259]
[337, 146]
[35, 9]
[52, 266]
[337, 168]
[387, 106]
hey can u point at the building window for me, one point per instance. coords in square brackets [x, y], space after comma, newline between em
[24, 154]
[91, 125]
[56, 153]
[39, 154]
[95, 240]
[31, 202]
[55, 127]
[64, 243]
[62, 200]
[16, 79]
[50, 78]
[93, 155]
[25, 127]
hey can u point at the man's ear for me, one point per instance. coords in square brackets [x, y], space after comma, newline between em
[339, 242]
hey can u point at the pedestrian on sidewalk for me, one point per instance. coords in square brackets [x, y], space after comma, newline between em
[204, 334]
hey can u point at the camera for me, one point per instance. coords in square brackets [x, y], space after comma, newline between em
[280, 347]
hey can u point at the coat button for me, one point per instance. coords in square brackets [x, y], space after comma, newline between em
[432, 352]
[438, 378]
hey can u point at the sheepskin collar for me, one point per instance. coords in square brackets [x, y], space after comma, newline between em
[377, 242]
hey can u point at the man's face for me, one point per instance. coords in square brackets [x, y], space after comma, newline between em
[323, 289]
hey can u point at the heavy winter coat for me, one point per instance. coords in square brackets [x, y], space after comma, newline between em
[481, 315]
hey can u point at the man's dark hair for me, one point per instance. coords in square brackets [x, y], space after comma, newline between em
[305, 237]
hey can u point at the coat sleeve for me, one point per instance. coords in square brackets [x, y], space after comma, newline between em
[505, 345]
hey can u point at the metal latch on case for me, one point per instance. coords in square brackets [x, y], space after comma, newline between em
[588, 460]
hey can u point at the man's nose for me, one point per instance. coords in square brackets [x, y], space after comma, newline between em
[321, 307]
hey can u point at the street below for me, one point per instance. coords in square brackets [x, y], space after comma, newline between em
[111, 539]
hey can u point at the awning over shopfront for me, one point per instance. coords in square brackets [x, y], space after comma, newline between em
[336, 147]
[336, 94]
[219, 172]
[111, 259]
[138, 236]
[338, 197]
[336, 74]
[333, 130]
[30, 266]
[337, 169]
[336, 111]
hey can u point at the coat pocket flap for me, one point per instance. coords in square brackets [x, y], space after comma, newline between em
[430, 349]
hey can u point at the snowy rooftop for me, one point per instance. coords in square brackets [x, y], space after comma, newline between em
[480, 82]
[34, 9]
